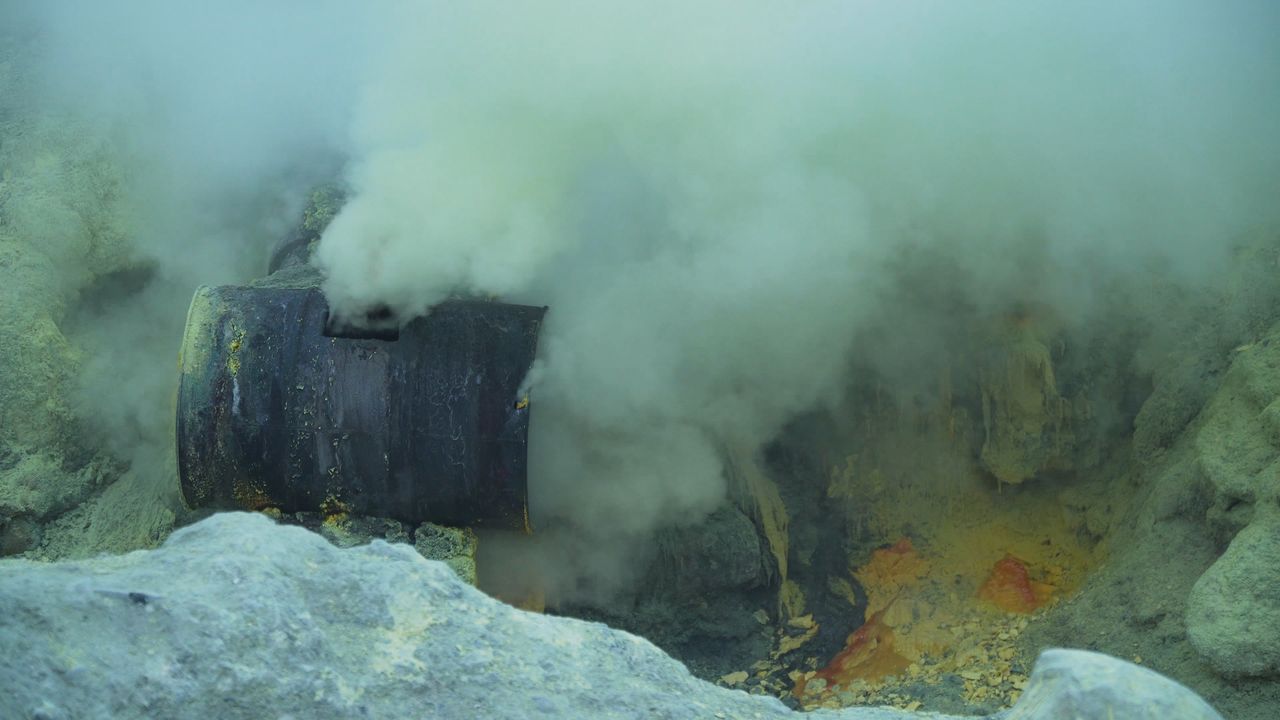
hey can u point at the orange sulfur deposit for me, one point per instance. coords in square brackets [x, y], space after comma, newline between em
[868, 655]
[952, 602]
[1010, 587]
[925, 616]
[869, 652]
[897, 563]
[892, 572]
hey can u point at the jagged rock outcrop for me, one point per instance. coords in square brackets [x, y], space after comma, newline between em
[1027, 422]
[237, 617]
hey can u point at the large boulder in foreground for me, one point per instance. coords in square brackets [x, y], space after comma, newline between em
[1082, 685]
[1233, 613]
[236, 617]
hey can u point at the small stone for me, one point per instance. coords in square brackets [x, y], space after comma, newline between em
[804, 622]
[761, 617]
[789, 644]
[734, 678]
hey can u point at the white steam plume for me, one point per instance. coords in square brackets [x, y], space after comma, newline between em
[707, 196]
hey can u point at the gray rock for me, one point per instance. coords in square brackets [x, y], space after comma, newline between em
[1238, 439]
[1233, 612]
[1082, 684]
[236, 617]
[720, 553]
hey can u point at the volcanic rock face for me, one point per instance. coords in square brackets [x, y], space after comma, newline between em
[236, 617]
[1027, 422]
[83, 432]
[1233, 613]
[57, 237]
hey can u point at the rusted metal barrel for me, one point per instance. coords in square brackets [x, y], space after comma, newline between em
[423, 423]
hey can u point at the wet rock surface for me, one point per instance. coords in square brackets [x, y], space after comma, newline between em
[237, 617]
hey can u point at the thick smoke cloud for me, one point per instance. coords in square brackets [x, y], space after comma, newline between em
[712, 199]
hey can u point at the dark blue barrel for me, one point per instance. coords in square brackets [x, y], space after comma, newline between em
[424, 422]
